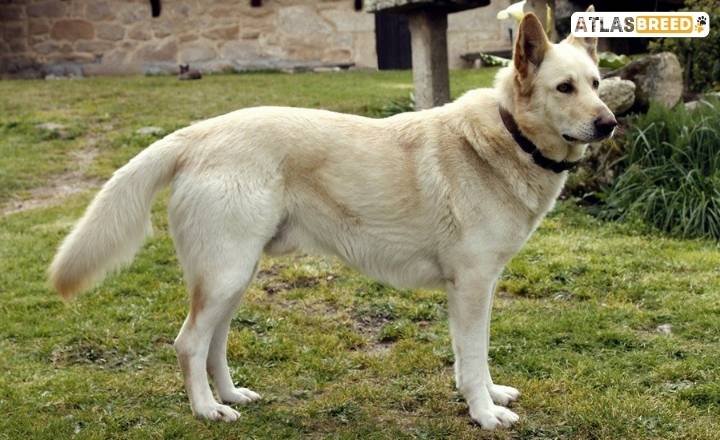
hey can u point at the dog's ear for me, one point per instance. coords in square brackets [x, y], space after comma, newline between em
[530, 45]
[587, 43]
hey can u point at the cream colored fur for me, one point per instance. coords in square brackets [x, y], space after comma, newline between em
[437, 198]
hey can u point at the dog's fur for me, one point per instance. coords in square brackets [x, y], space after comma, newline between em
[436, 198]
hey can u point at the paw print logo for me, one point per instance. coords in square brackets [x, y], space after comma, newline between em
[700, 24]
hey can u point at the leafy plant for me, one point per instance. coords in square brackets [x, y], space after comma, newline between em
[395, 106]
[700, 57]
[612, 60]
[493, 61]
[671, 177]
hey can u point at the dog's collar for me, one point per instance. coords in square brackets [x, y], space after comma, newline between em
[530, 148]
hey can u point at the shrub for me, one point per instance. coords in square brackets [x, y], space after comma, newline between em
[700, 57]
[394, 107]
[671, 172]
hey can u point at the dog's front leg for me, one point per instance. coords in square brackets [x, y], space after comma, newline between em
[469, 302]
[500, 394]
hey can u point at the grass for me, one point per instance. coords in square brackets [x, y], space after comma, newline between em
[335, 354]
[671, 171]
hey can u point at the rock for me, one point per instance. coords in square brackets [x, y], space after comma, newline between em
[50, 9]
[51, 126]
[99, 11]
[618, 94]
[197, 51]
[657, 77]
[157, 51]
[47, 47]
[240, 50]
[692, 105]
[347, 20]
[56, 130]
[680, 385]
[150, 131]
[93, 46]
[37, 27]
[139, 33]
[665, 329]
[110, 32]
[228, 33]
[10, 12]
[66, 69]
[72, 30]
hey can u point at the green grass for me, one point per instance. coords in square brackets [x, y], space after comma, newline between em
[671, 171]
[335, 354]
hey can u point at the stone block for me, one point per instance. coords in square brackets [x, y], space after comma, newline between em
[139, 33]
[95, 47]
[349, 20]
[110, 32]
[334, 55]
[364, 49]
[36, 27]
[48, 9]
[100, 10]
[223, 33]
[164, 50]
[12, 30]
[185, 38]
[240, 50]
[302, 23]
[197, 51]
[72, 30]
[11, 12]
[18, 45]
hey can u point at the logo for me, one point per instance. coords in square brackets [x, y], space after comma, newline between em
[640, 24]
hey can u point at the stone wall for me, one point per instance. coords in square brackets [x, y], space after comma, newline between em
[478, 30]
[90, 37]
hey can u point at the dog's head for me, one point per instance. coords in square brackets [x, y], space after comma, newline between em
[555, 90]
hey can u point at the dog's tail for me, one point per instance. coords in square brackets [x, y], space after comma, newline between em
[117, 221]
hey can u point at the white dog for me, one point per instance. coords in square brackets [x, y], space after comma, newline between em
[436, 198]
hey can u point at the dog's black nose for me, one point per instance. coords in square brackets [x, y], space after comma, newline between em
[604, 125]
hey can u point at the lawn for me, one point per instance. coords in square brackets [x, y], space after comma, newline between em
[333, 353]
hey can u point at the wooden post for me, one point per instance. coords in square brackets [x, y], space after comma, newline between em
[428, 36]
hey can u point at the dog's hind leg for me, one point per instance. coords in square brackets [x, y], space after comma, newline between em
[220, 229]
[200, 345]
[217, 365]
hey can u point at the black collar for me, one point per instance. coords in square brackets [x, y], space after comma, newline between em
[530, 148]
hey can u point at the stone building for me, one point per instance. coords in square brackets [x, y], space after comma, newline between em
[93, 37]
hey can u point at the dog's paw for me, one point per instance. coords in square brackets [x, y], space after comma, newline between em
[216, 411]
[494, 417]
[503, 395]
[239, 395]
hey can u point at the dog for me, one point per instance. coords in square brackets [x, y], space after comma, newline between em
[440, 198]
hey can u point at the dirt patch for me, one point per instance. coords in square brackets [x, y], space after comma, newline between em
[62, 186]
[369, 325]
[92, 353]
[271, 282]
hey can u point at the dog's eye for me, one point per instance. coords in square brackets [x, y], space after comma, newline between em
[596, 84]
[565, 88]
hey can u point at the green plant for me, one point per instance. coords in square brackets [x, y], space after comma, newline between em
[700, 57]
[612, 60]
[671, 177]
[395, 106]
[493, 61]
